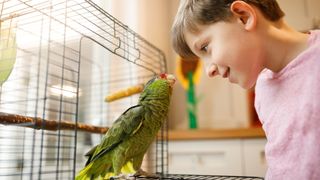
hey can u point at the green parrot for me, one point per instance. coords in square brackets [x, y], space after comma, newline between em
[8, 52]
[123, 147]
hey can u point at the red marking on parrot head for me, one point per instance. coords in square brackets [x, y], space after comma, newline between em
[168, 77]
[163, 76]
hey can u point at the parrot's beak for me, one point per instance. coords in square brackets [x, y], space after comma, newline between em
[171, 79]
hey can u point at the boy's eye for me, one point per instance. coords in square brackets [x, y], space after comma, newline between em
[204, 48]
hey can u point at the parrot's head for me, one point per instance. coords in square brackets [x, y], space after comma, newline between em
[161, 83]
[168, 77]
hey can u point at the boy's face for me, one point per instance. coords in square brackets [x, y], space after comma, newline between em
[229, 50]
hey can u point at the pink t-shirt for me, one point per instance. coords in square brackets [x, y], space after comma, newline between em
[288, 105]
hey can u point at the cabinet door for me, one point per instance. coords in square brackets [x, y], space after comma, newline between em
[254, 157]
[210, 157]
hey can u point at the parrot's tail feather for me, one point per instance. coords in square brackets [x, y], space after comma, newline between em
[93, 172]
[84, 174]
[128, 168]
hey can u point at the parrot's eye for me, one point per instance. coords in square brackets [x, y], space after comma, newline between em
[163, 75]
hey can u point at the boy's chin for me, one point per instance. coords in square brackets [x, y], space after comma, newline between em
[246, 85]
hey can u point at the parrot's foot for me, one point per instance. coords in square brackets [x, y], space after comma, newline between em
[143, 173]
[122, 177]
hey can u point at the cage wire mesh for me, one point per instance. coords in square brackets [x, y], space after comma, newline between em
[58, 60]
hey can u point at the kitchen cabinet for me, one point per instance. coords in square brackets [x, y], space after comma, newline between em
[205, 157]
[254, 162]
[236, 156]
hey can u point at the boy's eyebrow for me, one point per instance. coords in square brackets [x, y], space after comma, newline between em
[201, 37]
[193, 45]
[197, 44]
[196, 47]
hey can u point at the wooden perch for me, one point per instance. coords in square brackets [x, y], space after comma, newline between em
[124, 93]
[52, 125]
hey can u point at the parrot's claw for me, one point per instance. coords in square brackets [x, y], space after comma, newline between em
[122, 177]
[143, 173]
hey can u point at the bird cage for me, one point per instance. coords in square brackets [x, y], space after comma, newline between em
[58, 61]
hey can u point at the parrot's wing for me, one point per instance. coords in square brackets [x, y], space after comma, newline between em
[90, 153]
[125, 126]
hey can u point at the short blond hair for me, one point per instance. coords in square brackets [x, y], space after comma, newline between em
[192, 13]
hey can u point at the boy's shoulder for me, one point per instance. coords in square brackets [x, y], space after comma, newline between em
[309, 58]
[313, 50]
[314, 37]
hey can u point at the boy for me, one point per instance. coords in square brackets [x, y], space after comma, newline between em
[248, 42]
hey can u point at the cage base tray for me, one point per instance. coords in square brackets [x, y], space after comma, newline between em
[199, 177]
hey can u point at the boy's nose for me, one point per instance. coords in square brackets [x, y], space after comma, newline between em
[212, 70]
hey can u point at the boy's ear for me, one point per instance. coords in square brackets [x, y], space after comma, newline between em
[245, 13]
